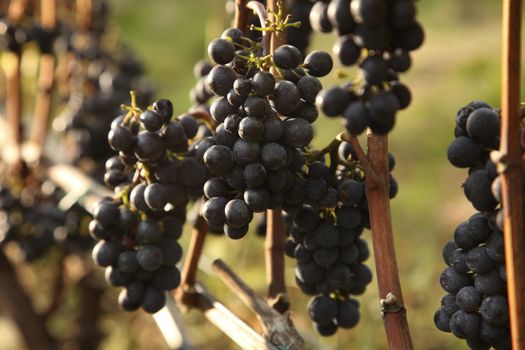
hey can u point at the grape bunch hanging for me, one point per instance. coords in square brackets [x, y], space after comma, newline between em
[325, 240]
[154, 177]
[476, 306]
[378, 36]
[30, 218]
[263, 125]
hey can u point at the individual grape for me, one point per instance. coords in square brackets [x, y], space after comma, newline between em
[468, 299]
[297, 132]
[148, 231]
[309, 87]
[218, 159]
[375, 70]
[494, 310]
[149, 146]
[326, 329]
[153, 300]
[287, 57]
[105, 253]
[347, 50]
[489, 283]
[220, 80]
[449, 305]
[442, 320]
[106, 213]
[286, 97]
[477, 189]
[235, 232]
[332, 102]
[150, 257]
[237, 213]
[348, 314]
[273, 156]
[357, 117]
[221, 51]
[463, 152]
[464, 324]
[452, 282]
[483, 125]
[322, 309]
[478, 260]
[318, 63]
[151, 120]
[369, 13]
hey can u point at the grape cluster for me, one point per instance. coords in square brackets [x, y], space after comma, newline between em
[263, 123]
[30, 219]
[154, 176]
[378, 36]
[14, 36]
[98, 83]
[476, 307]
[325, 240]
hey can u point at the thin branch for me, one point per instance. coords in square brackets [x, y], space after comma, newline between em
[58, 288]
[201, 114]
[232, 326]
[45, 82]
[277, 327]
[319, 154]
[14, 93]
[240, 20]
[275, 228]
[377, 191]
[16, 10]
[186, 291]
[512, 175]
[16, 304]
[89, 334]
[171, 325]
[361, 156]
[274, 259]
[84, 12]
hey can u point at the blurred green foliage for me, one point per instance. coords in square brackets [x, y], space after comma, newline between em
[459, 62]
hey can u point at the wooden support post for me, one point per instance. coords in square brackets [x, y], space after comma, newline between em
[512, 175]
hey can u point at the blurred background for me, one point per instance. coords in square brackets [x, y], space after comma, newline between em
[459, 62]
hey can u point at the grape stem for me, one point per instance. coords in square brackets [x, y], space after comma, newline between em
[512, 169]
[277, 327]
[362, 157]
[203, 115]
